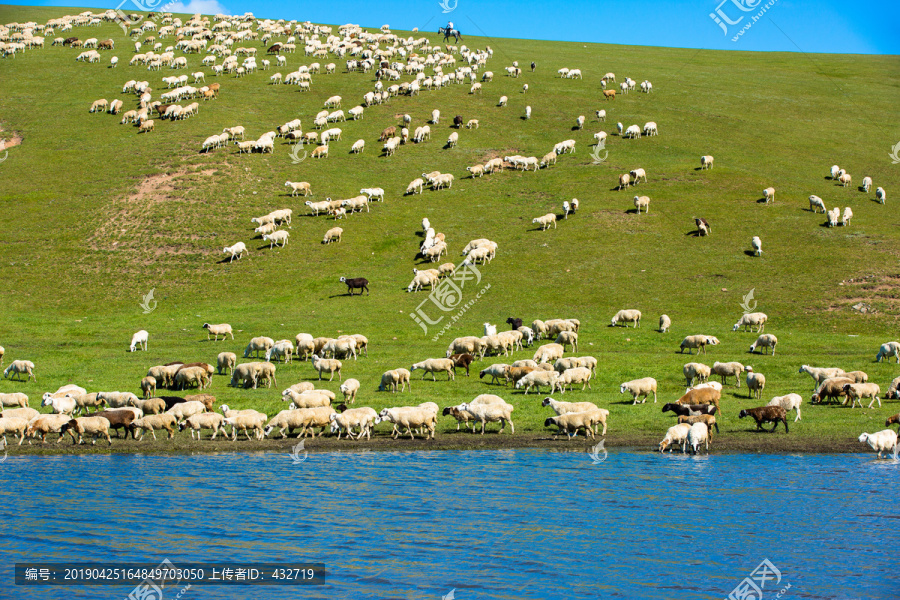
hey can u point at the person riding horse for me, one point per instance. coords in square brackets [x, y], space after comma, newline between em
[450, 32]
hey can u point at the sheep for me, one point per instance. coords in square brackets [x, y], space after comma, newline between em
[642, 202]
[708, 420]
[363, 417]
[146, 126]
[831, 389]
[18, 368]
[683, 410]
[201, 421]
[664, 323]
[788, 402]
[548, 353]
[538, 378]
[283, 349]
[815, 203]
[545, 221]
[333, 234]
[13, 425]
[894, 389]
[640, 387]
[183, 410]
[410, 417]
[626, 316]
[882, 441]
[14, 399]
[567, 338]
[880, 195]
[60, 405]
[20, 413]
[756, 382]
[151, 423]
[150, 406]
[633, 131]
[766, 414]
[749, 320]
[571, 422]
[243, 420]
[496, 372]
[624, 181]
[472, 124]
[700, 396]
[766, 340]
[326, 365]
[44, 424]
[257, 345]
[237, 250]
[574, 376]
[391, 379]
[857, 391]
[148, 386]
[833, 216]
[820, 374]
[299, 187]
[697, 371]
[275, 237]
[757, 245]
[698, 434]
[726, 370]
[845, 179]
[697, 341]
[453, 140]
[493, 412]
[349, 389]
[579, 122]
[769, 194]
[887, 350]
[503, 100]
[706, 162]
[95, 425]
[848, 214]
[677, 434]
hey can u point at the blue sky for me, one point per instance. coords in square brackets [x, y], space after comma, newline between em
[785, 25]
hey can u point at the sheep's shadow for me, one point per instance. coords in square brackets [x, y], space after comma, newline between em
[631, 211]
[750, 253]
[761, 201]
[826, 224]
[877, 201]
[696, 233]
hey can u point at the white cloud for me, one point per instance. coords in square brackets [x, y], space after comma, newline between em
[205, 7]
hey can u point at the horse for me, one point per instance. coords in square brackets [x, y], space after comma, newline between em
[448, 33]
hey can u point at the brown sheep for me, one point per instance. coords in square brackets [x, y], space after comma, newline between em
[702, 396]
[514, 374]
[387, 133]
[766, 414]
[462, 361]
[208, 400]
[708, 419]
[831, 389]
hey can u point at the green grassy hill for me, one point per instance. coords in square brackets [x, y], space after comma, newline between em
[97, 215]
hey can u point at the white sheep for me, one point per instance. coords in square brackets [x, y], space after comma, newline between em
[882, 441]
[493, 412]
[677, 434]
[422, 416]
[757, 245]
[16, 425]
[848, 214]
[642, 202]
[333, 234]
[237, 250]
[626, 316]
[887, 350]
[14, 399]
[880, 195]
[834, 216]
[664, 323]
[205, 420]
[545, 221]
[756, 382]
[766, 340]
[749, 320]
[788, 402]
[571, 422]
[698, 371]
[20, 367]
[815, 203]
[151, 423]
[275, 237]
[538, 378]
[139, 340]
[349, 389]
[706, 162]
[857, 391]
[640, 387]
[698, 434]
[363, 418]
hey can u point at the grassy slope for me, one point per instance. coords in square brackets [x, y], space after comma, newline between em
[81, 249]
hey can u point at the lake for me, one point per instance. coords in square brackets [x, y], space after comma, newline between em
[483, 524]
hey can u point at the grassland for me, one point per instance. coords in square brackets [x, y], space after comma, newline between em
[96, 216]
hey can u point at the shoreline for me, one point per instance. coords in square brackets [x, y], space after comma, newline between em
[762, 443]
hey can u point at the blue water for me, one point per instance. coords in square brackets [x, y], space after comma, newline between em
[491, 524]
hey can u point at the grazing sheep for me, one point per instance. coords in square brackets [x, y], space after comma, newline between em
[894, 389]
[567, 338]
[225, 361]
[820, 374]
[757, 245]
[756, 382]
[640, 387]
[538, 378]
[830, 389]
[573, 376]
[44, 424]
[766, 414]
[20, 367]
[201, 421]
[882, 441]
[333, 234]
[701, 395]
[845, 179]
[887, 350]
[98, 426]
[788, 402]
[496, 372]
[815, 203]
[548, 353]
[223, 329]
[677, 434]
[626, 316]
[14, 399]
[244, 420]
[709, 420]
[706, 162]
[235, 250]
[15, 425]
[697, 371]
[349, 389]
[545, 221]
[750, 320]
[698, 434]
[766, 340]
[148, 386]
[857, 391]
[729, 369]
[664, 323]
[880, 195]
[769, 194]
